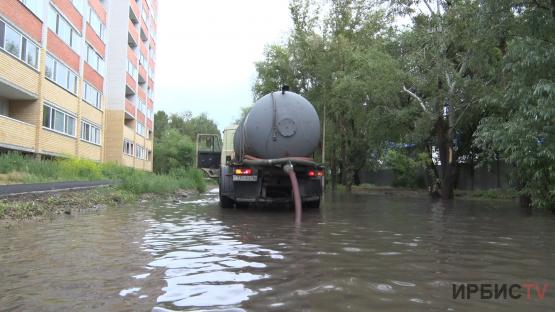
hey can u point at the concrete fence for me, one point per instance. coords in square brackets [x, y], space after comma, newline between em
[486, 177]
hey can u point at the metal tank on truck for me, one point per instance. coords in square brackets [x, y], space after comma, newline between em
[275, 139]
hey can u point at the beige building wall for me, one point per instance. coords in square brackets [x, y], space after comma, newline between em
[25, 89]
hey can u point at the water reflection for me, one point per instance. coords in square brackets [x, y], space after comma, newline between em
[204, 264]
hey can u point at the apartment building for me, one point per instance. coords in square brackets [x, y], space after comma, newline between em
[65, 82]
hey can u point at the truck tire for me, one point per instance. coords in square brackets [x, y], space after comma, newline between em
[226, 202]
[225, 187]
[312, 204]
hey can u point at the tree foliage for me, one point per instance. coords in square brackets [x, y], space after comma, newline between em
[338, 61]
[175, 137]
[521, 126]
[469, 81]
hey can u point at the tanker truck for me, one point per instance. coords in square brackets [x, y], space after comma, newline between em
[267, 157]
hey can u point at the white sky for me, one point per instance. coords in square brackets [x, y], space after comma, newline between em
[206, 53]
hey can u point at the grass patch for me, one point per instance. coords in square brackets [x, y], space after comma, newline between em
[18, 168]
[488, 194]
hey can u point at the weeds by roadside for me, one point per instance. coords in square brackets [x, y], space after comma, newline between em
[17, 168]
[29, 206]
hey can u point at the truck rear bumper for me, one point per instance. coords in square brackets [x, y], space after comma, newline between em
[266, 200]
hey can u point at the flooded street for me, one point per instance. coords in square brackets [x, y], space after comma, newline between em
[357, 253]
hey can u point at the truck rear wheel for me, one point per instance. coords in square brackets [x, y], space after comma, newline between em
[226, 202]
[312, 204]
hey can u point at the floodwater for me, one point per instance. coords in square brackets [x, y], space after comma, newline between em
[356, 253]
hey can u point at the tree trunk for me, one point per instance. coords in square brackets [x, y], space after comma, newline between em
[524, 199]
[333, 171]
[497, 172]
[472, 172]
[356, 177]
[445, 146]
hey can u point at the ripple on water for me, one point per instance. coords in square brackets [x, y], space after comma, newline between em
[384, 288]
[389, 253]
[204, 263]
[404, 284]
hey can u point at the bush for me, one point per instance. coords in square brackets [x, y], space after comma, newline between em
[72, 168]
[407, 171]
[172, 151]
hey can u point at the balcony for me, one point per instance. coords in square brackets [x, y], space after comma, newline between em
[134, 12]
[142, 95]
[17, 80]
[141, 117]
[132, 56]
[142, 74]
[129, 132]
[16, 134]
[132, 35]
[144, 33]
[130, 85]
[129, 109]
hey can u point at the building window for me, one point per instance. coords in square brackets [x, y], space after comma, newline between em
[60, 74]
[151, 73]
[149, 113]
[132, 70]
[21, 47]
[92, 96]
[150, 93]
[140, 129]
[35, 6]
[79, 5]
[96, 23]
[142, 106]
[64, 30]
[144, 15]
[142, 59]
[90, 133]
[128, 147]
[95, 60]
[12, 42]
[140, 152]
[58, 120]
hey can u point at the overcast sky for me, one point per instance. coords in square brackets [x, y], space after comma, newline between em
[206, 52]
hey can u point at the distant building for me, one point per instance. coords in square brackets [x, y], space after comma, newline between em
[77, 78]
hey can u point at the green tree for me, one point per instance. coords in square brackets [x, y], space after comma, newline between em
[451, 59]
[161, 121]
[175, 137]
[339, 62]
[173, 151]
[520, 128]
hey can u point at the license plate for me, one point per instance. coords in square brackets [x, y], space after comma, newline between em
[252, 178]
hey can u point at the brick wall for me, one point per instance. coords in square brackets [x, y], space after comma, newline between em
[18, 74]
[55, 143]
[16, 133]
[25, 111]
[70, 13]
[95, 41]
[62, 51]
[90, 75]
[22, 17]
[60, 97]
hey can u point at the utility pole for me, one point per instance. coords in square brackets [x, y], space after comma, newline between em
[324, 145]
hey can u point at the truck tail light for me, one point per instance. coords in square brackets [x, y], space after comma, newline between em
[243, 171]
[316, 173]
